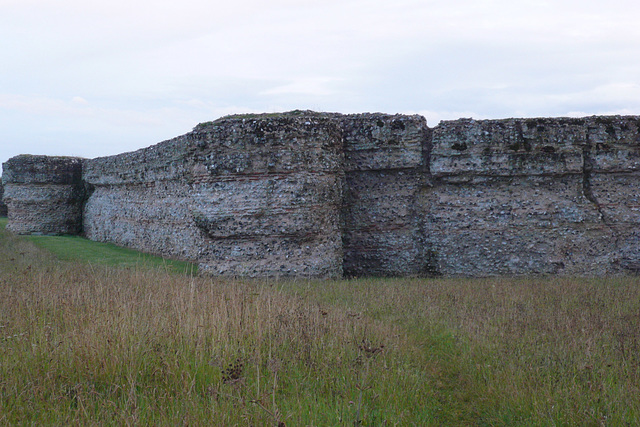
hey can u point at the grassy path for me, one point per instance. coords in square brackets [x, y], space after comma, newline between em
[76, 248]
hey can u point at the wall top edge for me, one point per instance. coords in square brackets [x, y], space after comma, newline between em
[300, 115]
[577, 120]
[40, 157]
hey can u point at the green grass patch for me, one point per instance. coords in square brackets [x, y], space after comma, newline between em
[76, 248]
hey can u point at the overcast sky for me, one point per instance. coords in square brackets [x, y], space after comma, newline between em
[93, 78]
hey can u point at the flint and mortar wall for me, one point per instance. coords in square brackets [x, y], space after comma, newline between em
[43, 194]
[385, 166]
[3, 207]
[534, 196]
[327, 195]
[241, 196]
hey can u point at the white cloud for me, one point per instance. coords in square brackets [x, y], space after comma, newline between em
[75, 109]
[318, 86]
[79, 100]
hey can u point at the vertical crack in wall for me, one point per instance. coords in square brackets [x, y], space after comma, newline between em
[427, 255]
[587, 172]
[587, 189]
[427, 147]
[521, 139]
[345, 202]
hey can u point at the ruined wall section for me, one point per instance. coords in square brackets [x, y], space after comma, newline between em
[612, 184]
[321, 195]
[43, 194]
[247, 196]
[141, 200]
[269, 195]
[533, 196]
[3, 206]
[385, 163]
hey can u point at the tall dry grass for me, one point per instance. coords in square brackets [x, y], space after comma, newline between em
[542, 351]
[102, 345]
[85, 344]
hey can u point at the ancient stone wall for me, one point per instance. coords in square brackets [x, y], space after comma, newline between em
[326, 195]
[43, 194]
[242, 196]
[534, 196]
[3, 206]
[385, 167]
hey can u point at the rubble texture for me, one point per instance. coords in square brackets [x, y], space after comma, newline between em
[3, 207]
[328, 195]
[43, 194]
[242, 196]
[384, 165]
[543, 196]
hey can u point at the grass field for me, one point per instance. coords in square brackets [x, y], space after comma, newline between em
[90, 343]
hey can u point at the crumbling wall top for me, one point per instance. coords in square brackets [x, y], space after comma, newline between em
[536, 146]
[29, 169]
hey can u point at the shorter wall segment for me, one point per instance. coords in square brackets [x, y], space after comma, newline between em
[308, 194]
[242, 196]
[44, 195]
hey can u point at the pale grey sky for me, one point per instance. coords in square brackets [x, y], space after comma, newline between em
[93, 78]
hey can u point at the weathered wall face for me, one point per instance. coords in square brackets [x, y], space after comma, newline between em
[3, 206]
[43, 194]
[250, 196]
[612, 184]
[533, 196]
[325, 195]
[141, 200]
[385, 167]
